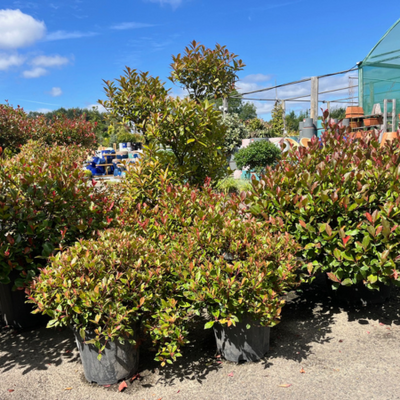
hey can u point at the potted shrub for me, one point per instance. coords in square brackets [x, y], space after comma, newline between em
[104, 290]
[45, 203]
[339, 198]
[240, 270]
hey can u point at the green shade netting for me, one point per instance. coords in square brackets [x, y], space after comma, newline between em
[379, 73]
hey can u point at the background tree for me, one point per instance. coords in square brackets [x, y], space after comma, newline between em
[206, 73]
[236, 105]
[135, 97]
[258, 128]
[277, 119]
[338, 113]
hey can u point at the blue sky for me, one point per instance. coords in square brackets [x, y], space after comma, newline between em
[56, 53]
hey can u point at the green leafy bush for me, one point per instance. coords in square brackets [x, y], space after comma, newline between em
[340, 199]
[232, 185]
[45, 202]
[197, 228]
[111, 286]
[257, 156]
[195, 135]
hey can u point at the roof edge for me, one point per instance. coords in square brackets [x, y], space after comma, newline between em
[381, 40]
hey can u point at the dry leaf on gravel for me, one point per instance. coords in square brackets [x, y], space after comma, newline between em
[285, 385]
[68, 388]
[122, 386]
[230, 374]
[302, 371]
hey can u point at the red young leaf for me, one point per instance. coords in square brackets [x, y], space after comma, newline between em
[333, 277]
[302, 223]
[122, 386]
[346, 239]
[369, 217]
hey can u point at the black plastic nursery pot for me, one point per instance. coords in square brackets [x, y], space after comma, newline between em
[237, 343]
[15, 312]
[118, 361]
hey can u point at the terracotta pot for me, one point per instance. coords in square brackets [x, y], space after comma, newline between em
[355, 124]
[373, 121]
[354, 112]
[389, 136]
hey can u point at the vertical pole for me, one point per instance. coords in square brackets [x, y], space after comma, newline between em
[360, 87]
[394, 115]
[328, 104]
[225, 106]
[314, 99]
[284, 117]
[385, 119]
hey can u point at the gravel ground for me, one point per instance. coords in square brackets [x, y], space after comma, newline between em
[322, 349]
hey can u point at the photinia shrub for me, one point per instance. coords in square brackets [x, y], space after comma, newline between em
[46, 202]
[221, 258]
[340, 199]
[16, 129]
[111, 286]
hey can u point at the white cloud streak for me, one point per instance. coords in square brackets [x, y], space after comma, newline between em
[63, 35]
[172, 3]
[49, 61]
[130, 25]
[19, 30]
[10, 60]
[35, 73]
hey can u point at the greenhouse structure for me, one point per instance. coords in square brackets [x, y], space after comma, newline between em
[379, 74]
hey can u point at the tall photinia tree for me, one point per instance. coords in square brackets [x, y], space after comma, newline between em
[206, 73]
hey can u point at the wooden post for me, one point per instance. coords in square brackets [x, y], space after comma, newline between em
[328, 105]
[314, 98]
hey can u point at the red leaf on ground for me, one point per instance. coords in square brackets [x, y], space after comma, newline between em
[68, 388]
[380, 323]
[340, 341]
[106, 385]
[10, 390]
[137, 376]
[178, 391]
[302, 371]
[122, 386]
[285, 385]
[230, 374]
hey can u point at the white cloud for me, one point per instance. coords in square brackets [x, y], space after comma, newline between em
[10, 60]
[49, 61]
[43, 110]
[131, 25]
[61, 35]
[19, 30]
[173, 3]
[257, 78]
[55, 92]
[35, 73]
